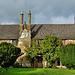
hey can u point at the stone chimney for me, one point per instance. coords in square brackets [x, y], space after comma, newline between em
[29, 21]
[21, 22]
[25, 25]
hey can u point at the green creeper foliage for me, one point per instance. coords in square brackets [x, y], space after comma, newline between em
[67, 55]
[33, 50]
[8, 54]
[48, 47]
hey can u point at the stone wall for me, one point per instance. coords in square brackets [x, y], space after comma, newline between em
[8, 41]
[23, 60]
[66, 42]
[24, 42]
[14, 42]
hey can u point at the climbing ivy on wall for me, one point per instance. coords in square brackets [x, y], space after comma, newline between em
[48, 47]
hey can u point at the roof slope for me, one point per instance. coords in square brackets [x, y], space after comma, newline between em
[63, 31]
[9, 32]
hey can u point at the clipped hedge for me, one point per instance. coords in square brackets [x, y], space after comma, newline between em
[67, 55]
[8, 54]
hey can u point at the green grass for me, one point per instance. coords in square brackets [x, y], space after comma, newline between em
[36, 71]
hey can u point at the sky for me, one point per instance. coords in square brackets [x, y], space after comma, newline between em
[42, 11]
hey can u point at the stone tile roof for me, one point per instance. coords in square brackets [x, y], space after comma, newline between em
[63, 31]
[9, 32]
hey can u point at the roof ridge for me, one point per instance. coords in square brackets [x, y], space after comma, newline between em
[52, 24]
[8, 24]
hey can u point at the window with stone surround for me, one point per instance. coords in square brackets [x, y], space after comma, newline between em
[15, 42]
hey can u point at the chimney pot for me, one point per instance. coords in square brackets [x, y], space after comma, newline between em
[21, 11]
[21, 21]
[25, 25]
[29, 20]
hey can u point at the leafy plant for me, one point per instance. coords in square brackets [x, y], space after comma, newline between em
[8, 54]
[67, 55]
[48, 47]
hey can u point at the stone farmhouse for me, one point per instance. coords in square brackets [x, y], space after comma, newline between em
[20, 35]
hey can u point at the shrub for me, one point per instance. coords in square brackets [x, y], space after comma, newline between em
[16, 65]
[0, 67]
[67, 55]
[48, 48]
[8, 54]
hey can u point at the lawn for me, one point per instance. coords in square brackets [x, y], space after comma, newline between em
[36, 71]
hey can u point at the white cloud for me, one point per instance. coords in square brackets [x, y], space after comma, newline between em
[62, 20]
[41, 19]
[43, 11]
[5, 22]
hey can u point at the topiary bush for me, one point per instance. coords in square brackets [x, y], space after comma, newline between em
[67, 55]
[8, 54]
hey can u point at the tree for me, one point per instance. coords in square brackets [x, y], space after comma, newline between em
[67, 55]
[33, 50]
[48, 47]
[8, 54]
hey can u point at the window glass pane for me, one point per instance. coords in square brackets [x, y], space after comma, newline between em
[15, 43]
